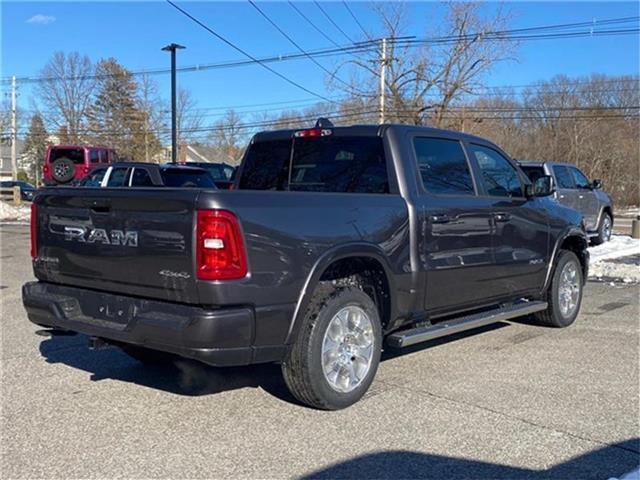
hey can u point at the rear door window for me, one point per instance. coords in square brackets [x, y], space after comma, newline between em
[317, 164]
[141, 178]
[563, 176]
[499, 177]
[534, 173]
[443, 166]
[118, 177]
[94, 156]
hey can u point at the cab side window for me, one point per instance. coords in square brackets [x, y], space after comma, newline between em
[94, 156]
[443, 166]
[581, 179]
[499, 177]
[141, 178]
[563, 176]
[118, 177]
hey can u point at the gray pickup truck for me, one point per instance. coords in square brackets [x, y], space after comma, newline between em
[335, 242]
[573, 189]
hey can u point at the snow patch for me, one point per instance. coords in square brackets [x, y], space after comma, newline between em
[9, 213]
[605, 260]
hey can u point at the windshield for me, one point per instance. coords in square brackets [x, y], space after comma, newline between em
[325, 164]
[76, 155]
[178, 177]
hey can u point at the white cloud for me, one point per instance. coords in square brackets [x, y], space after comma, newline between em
[41, 19]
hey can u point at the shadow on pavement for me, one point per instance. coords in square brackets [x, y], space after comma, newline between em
[182, 377]
[608, 462]
[189, 377]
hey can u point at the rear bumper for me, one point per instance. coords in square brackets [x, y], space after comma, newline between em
[219, 337]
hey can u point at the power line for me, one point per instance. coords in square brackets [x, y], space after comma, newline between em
[246, 54]
[295, 44]
[349, 39]
[346, 5]
[317, 29]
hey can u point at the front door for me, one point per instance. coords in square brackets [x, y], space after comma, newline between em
[520, 227]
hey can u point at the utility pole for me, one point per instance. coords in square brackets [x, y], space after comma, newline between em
[383, 74]
[172, 47]
[14, 131]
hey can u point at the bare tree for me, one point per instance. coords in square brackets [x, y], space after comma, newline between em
[66, 92]
[151, 106]
[422, 82]
[189, 119]
[228, 137]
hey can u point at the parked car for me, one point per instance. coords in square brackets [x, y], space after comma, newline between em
[141, 174]
[575, 190]
[64, 164]
[221, 173]
[27, 191]
[335, 240]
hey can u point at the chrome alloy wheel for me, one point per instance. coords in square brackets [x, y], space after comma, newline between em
[347, 349]
[569, 289]
[606, 228]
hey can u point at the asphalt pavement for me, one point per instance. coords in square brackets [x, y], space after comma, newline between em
[509, 401]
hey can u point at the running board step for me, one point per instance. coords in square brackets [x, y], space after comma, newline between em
[404, 338]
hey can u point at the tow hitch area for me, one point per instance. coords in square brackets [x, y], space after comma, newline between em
[54, 333]
[97, 343]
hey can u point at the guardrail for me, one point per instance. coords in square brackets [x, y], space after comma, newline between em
[11, 195]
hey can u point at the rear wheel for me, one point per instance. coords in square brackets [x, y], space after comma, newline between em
[604, 230]
[336, 355]
[564, 295]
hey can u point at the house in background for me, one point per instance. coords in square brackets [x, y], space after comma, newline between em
[197, 153]
[5, 158]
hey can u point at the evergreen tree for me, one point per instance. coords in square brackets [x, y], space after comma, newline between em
[115, 119]
[35, 147]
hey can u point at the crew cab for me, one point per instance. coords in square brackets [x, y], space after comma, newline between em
[574, 189]
[336, 242]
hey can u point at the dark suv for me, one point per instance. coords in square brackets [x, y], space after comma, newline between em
[575, 190]
[334, 242]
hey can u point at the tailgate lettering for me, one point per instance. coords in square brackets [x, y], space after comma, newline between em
[127, 238]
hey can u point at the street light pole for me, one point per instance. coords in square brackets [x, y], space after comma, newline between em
[172, 47]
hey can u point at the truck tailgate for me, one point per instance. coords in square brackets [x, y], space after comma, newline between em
[134, 241]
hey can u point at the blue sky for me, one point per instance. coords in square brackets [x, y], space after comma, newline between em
[134, 32]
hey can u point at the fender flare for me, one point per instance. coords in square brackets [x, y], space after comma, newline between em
[571, 231]
[355, 249]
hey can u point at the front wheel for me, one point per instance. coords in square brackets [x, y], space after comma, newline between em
[564, 295]
[336, 355]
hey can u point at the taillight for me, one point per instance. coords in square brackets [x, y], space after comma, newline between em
[220, 252]
[312, 132]
[85, 170]
[45, 169]
[34, 230]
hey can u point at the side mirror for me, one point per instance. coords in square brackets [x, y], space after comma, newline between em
[596, 184]
[542, 187]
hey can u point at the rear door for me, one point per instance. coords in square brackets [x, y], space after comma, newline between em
[586, 200]
[520, 227]
[565, 187]
[136, 242]
[456, 226]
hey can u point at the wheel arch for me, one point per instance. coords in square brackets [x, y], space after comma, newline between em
[332, 257]
[575, 240]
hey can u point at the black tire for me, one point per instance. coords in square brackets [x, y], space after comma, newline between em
[63, 170]
[148, 356]
[302, 368]
[553, 315]
[604, 230]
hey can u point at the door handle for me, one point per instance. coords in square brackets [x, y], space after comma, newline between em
[439, 218]
[580, 196]
[501, 217]
[561, 196]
